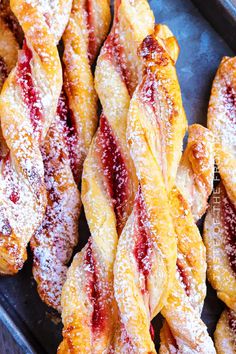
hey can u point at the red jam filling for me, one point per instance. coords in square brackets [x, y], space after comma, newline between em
[183, 277]
[94, 289]
[152, 332]
[30, 94]
[115, 52]
[14, 195]
[142, 245]
[70, 134]
[230, 103]
[92, 43]
[229, 222]
[232, 320]
[115, 171]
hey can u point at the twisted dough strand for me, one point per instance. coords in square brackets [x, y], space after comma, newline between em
[146, 255]
[65, 149]
[183, 330]
[195, 173]
[108, 185]
[53, 242]
[220, 222]
[225, 333]
[87, 28]
[8, 56]
[221, 121]
[30, 93]
[8, 50]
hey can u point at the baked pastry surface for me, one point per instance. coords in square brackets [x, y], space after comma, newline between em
[66, 146]
[108, 184]
[145, 263]
[184, 331]
[220, 222]
[30, 93]
[225, 333]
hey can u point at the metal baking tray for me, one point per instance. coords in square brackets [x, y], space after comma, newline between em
[34, 327]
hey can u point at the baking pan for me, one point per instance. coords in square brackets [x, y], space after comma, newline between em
[35, 327]
[222, 15]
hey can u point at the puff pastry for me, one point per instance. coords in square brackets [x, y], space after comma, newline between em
[11, 21]
[88, 308]
[8, 51]
[31, 94]
[225, 333]
[8, 57]
[196, 170]
[183, 331]
[221, 121]
[66, 146]
[145, 263]
[220, 222]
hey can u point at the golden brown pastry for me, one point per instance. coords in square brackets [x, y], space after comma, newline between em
[108, 185]
[220, 222]
[221, 121]
[145, 263]
[11, 21]
[8, 57]
[66, 146]
[8, 51]
[196, 170]
[219, 232]
[28, 106]
[225, 333]
[183, 330]
[87, 28]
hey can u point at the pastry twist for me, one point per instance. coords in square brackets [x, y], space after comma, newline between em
[66, 147]
[183, 330]
[11, 22]
[196, 170]
[221, 121]
[146, 255]
[108, 185]
[8, 51]
[220, 222]
[225, 333]
[8, 55]
[31, 94]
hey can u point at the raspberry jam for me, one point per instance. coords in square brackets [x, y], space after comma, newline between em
[142, 248]
[94, 289]
[92, 43]
[30, 94]
[228, 213]
[116, 54]
[70, 134]
[183, 276]
[115, 172]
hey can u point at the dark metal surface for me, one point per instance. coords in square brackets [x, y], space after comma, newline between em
[35, 327]
[222, 15]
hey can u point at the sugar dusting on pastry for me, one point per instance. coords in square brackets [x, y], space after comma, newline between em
[228, 215]
[30, 92]
[55, 239]
[106, 181]
[115, 171]
[142, 241]
[223, 105]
